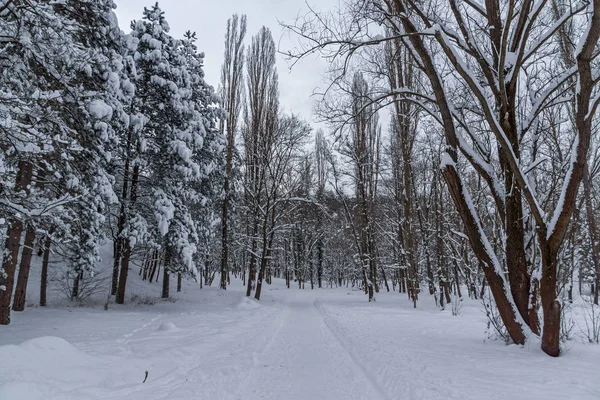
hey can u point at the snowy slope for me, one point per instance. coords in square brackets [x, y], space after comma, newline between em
[294, 344]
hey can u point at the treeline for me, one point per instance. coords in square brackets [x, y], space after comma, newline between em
[497, 100]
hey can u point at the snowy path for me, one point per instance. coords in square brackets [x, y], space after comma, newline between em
[293, 345]
[304, 360]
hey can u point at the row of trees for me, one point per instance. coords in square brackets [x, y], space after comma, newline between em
[503, 100]
[510, 88]
[104, 135]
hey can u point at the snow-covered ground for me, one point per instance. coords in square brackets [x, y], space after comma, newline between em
[294, 344]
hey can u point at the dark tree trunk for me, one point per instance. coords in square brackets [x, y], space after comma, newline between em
[166, 272]
[116, 262]
[126, 243]
[387, 286]
[154, 266]
[22, 279]
[457, 281]
[311, 272]
[178, 282]
[320, 263]
[165, 283]
[75, 291]
[44, 278]
[120, 299]
[119, 241]
[550, 305]
[225, 226]
[146, 268]
[12, 246]
[251, 268]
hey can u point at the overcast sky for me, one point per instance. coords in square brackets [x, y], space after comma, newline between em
[208, 19]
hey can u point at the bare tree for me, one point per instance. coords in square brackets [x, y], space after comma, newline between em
[232, 90]
[258, 136]
[321, 177]
[401, 73]
[363, 148]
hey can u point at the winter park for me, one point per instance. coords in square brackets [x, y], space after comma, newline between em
[246, 200]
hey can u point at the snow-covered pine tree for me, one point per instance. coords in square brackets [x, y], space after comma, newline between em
[211, 153]
[103, 90]
[181, 148]
[60, 94]
[155, 90]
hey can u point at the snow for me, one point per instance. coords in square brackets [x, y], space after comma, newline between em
[167, 327]
[100, 110]
[164, 211]
[293, 344]
[446, 161]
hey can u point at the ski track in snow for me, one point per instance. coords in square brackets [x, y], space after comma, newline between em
[293, 345]
[304, 360]
[347, 349]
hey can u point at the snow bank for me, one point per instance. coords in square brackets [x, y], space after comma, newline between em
[247, 303]
[167, 327]
[51, 368]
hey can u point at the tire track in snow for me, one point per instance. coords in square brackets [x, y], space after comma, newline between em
[318, 305]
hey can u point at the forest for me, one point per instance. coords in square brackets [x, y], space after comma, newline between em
[454, 156]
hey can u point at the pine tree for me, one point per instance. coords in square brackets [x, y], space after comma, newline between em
[61, 95]
[177, 146]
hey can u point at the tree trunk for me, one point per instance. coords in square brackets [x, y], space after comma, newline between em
[259, 280]
[12, 246]
[44, 278]
[26, 254]
[165, 284]
[120, 299]
[251, 268]
[178, 282]
[320, 263]
[225, 225]
[387, 286]
[155, 262]
[550, 305]
[166, 268]
[75, 291]
[126, 242]
[507, 310]
[457, 280]
[119, 241]
[116, 262]
[311, 272]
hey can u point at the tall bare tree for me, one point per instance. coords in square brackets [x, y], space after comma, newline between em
[258, 136]
[232, 91]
